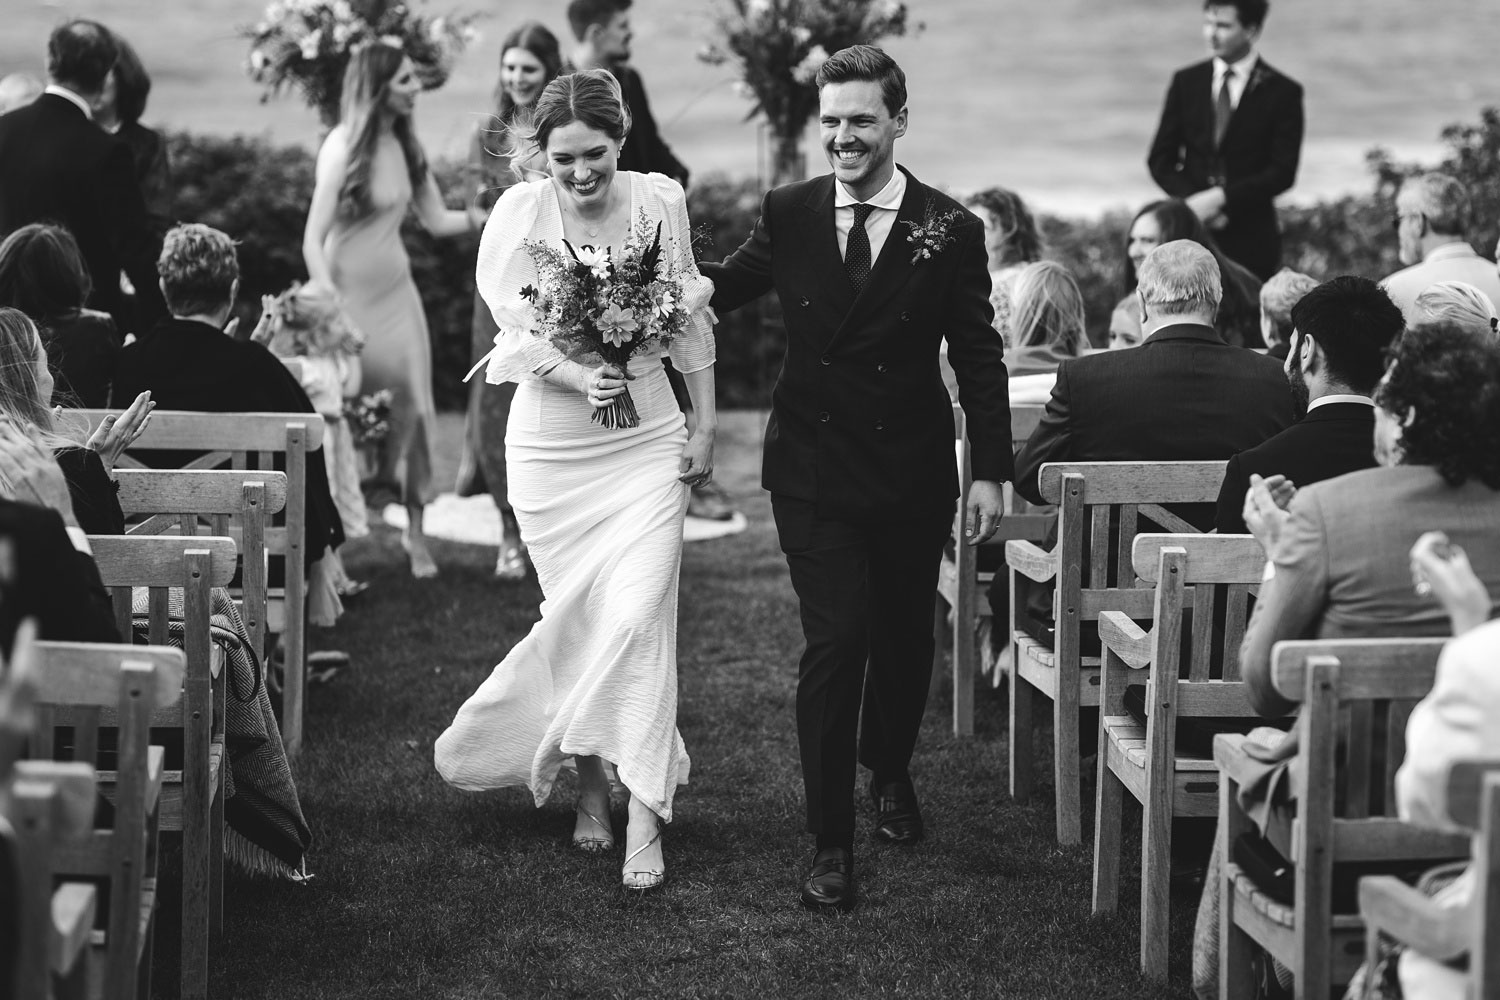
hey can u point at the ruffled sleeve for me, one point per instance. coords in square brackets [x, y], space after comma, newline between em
[504, 269]
[692, 350]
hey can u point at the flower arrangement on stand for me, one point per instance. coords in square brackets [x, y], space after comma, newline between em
[305, 44]
[778, 47]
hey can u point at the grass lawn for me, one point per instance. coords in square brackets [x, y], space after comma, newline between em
[425, 891]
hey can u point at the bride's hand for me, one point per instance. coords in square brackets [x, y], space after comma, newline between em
[697, 464]
[603, 384]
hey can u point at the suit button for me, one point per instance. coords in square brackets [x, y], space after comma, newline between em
[804, 302]
[880, 425]
[827, 360]
[823, 416]
[906, 317]
[880, 369]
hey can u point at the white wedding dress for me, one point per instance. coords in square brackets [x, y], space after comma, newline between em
[601, 511]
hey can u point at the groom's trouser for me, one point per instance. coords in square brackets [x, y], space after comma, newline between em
[866, 593]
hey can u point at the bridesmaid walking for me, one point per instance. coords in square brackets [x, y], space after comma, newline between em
[370, 170]
[530, 58]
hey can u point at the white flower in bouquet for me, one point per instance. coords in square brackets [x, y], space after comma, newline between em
[665, 302]
[596, 260]
[806, 70]
[801, 34]
[342, 33]
[757, 9]
[437, 28]
[258, 60]
[394, 41]
[342, 11]
[311, 43]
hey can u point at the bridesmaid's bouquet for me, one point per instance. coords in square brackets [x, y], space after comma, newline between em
[589, 304]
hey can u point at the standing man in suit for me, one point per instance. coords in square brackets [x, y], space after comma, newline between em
[1433, 214]
[1340, 333]
[1230, 137]
[859, 448]
[57, 165]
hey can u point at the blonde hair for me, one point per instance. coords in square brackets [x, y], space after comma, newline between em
[20, 393]
[1456, 302]
[1047, 308]
[311, 324]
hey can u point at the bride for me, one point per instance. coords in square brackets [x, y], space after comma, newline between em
[600, 509]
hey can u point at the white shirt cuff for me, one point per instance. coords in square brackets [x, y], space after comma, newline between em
[80, 540]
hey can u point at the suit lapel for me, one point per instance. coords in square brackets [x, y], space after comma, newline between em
[1250, 95]
[823, 245]
[894, 267]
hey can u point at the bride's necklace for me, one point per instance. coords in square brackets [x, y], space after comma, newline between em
[596, 228]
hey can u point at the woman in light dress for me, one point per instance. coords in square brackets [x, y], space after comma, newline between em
[530, 58]
[370, 170]
[601, 509]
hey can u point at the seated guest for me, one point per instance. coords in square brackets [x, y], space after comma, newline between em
[1047, 328]
[1340, 333]
[42, 274]
[1125, 324]
[1238, 321]
[1433, 215]
[1184, 395]
[191, 362]
[1277, 296]
[1012, 241]
[1456, 302]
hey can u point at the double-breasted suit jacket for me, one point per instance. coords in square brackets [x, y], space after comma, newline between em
[1256, 161]
[861, 424]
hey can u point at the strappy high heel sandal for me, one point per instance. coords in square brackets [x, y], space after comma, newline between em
[593, 844]
[643, 881]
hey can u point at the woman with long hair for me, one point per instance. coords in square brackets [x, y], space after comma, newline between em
[601, 508]
[529, 60]
[370, 170]
[1171, 219]
[1012, 241]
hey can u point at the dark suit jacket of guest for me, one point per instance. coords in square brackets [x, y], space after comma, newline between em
[1183, 395]
[861, 423]
[1343, 566]
[57, 165]
[54, 583]
[82, 350]
[1256, 161]
[189, 365]
[1332, 440]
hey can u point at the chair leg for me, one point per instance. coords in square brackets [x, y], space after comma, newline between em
[195, 889]
[1109, 821]
[1065, 769]
[1235, 946]
[216, 855]
[1156, 874]
[1021, 695]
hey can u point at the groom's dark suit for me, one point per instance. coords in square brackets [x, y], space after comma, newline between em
[859, 462]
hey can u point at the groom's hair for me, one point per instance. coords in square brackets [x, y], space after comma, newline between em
[866, 62]
[80, 55]
[198, 267]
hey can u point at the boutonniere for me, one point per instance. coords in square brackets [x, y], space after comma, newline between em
[933, 234]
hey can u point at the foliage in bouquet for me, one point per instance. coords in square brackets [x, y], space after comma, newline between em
[305, 44]
[778, 47]
[369, 417]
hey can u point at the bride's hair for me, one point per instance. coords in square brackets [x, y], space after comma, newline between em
[367, 82]
[591, 98]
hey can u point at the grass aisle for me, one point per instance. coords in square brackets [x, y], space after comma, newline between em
[424, 891]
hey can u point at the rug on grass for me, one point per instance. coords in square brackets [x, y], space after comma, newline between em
[476, 521]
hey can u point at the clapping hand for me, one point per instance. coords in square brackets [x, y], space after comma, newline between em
[117, 433]
[1265, 510]
[30, 474]
[1442, 569]
[265, 326]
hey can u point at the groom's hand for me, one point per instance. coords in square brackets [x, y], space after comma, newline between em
[982, 515]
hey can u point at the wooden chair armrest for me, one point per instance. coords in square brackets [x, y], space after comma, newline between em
[1416, 920]
[76, 787]
[1126, 639]
[1228, 750]
[1031, 562]
[73, 906]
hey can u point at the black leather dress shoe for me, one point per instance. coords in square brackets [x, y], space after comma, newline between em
[829, 884]
[898, 818]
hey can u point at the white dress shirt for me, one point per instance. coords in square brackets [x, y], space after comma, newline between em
[67, 94]
[886, 204]
[1237, 83]
[1339, 397]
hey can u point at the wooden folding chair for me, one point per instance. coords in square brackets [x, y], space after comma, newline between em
[233, 439]
[1100, 507]
[1360, 692]
[1393, 910]
[1200, 572]
[235, 503]
[193, 798]
[962, 585]
[83, 686]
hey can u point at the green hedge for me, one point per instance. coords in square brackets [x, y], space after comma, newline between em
[258, 193]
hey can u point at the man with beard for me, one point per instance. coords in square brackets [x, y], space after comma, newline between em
[1340, 333]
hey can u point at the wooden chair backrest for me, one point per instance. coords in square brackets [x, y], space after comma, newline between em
[1474, 802]
[77, 684]
[1214, 575]
[1371, 686]
[1099, 509]
[235, 503]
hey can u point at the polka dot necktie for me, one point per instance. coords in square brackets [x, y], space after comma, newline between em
[857, 249]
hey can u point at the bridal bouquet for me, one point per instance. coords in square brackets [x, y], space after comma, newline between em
[588, 304]
[306, 44]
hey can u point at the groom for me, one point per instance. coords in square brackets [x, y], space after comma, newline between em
[873, 269]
